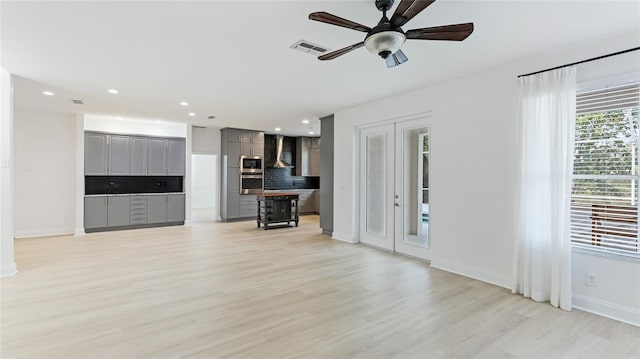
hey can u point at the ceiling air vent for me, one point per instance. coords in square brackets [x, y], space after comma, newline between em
[78, 102]
[309, 47]
[211, 117]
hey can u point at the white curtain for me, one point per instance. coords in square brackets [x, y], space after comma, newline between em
[542, 260]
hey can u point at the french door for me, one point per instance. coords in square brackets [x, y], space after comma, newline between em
[394, 187]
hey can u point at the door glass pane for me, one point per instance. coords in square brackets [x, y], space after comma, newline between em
[415, 186]
[375, 184]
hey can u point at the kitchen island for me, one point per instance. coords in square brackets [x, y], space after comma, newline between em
[277, 207]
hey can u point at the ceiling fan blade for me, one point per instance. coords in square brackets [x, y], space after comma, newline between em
[332, 55]
[338, 21]
[407, 10]
[456, 32]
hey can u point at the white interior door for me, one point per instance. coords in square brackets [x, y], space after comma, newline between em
[412, 215]
[394, 187]
[376, 186]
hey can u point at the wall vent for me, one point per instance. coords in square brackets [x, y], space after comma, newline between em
[309, 47]
[78, 102]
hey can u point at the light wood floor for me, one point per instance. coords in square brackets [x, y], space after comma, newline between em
[230, 290]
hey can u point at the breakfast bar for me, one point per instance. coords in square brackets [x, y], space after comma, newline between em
[277, 207]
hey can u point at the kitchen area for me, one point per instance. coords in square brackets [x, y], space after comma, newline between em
[272, 179]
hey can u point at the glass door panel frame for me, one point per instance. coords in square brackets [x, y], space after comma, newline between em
[403, 188]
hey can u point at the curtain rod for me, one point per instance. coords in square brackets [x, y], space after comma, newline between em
[583, 61]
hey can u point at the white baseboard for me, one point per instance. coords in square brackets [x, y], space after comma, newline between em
[187, 223]
[79, 232]
[45, 232]
[343, 237]
[606, 309]
[8, 270]
[475, 273]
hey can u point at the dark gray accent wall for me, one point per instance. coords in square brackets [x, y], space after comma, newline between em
[326, 173]
[284, 178]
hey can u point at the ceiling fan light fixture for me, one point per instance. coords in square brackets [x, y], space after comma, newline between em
[396, 59]
[385, 42]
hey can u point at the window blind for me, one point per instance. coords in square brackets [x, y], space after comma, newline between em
[604, 199]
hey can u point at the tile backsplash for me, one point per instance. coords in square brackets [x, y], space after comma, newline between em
[284, 178]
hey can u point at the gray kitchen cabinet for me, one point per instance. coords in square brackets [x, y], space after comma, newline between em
[176, 156]
[157, 157]
[233, 154]
[138, 210]
[95, 212]
[138, 149]
[236, 143]
[119, 156]
[175, 207]
[257, 137]
[233, 135]
[233, 180]
[252, 149]
[95, 154]
[157, 208]
[245, 136]
[233, 205]
[118, 211]
[248, 206]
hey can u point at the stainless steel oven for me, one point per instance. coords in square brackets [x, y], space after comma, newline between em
[250, 183]
[251, 164]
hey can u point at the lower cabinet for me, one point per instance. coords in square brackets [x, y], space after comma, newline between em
[106, 212]
[175, 207]
[157, 208]
[248, 206]
[95, 212]
[118, 211]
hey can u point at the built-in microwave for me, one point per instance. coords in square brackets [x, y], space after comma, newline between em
[251, 164]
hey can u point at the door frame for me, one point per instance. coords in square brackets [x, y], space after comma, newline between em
[426, 116]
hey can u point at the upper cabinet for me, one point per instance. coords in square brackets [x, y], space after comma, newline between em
[157, 157]
[138, 149]
[176, 154]
[95, 154]
[110, 154]
[242, 143]
[118, 155]
[308, 156]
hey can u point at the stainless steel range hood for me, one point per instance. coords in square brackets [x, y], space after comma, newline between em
[280, 163]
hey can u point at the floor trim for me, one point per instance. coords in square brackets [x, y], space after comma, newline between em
[607, 309]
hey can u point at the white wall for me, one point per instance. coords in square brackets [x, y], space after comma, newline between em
[134, 126]
[206, 140]
[45, 169]
[473, 167]
[7, 263]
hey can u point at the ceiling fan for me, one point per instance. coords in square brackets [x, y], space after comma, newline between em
[386, 38]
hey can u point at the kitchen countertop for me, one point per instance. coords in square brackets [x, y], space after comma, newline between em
[133, 194]
[278, 194]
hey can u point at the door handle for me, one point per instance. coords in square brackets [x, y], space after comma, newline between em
[397, 205]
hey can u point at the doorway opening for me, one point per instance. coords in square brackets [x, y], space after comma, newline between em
[204, 198]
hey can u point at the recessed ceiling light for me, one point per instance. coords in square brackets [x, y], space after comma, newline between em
[311, 132]
[47, 93]
[278, 129]
[183, 103]
[112, 91]
[305, 122]
[191, 114]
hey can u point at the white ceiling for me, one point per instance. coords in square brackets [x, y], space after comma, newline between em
[232, 59]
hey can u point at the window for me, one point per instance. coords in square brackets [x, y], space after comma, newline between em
[604, 196]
